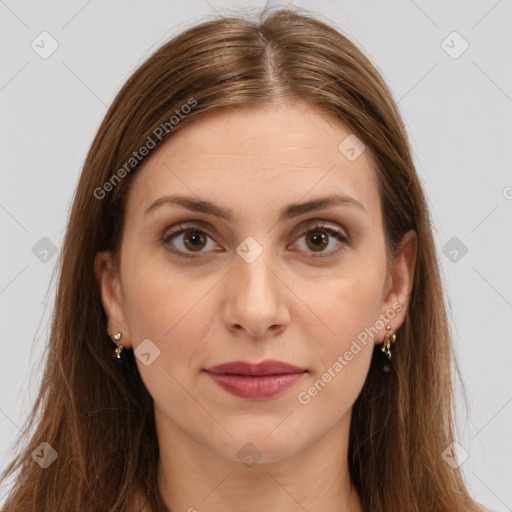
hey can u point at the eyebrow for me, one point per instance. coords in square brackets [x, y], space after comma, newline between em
[286, 213]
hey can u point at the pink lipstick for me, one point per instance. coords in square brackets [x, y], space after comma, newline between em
[256, 381]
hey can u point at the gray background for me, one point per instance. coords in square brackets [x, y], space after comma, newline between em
[457, 108]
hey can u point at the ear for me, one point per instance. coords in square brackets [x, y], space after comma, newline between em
[111, 293]
[399, 283]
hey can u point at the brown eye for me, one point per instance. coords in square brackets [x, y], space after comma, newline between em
[184, 241]
[194, 240]
[317, 240]
[321, 236]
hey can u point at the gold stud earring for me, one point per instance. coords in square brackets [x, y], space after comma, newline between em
[118, 352]
[389, 338]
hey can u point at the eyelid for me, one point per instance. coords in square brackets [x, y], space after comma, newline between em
[306, 224]
[200, 225]
[311, 223]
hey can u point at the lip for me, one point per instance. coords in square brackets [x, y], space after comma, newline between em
[255, 381]
[267, 367]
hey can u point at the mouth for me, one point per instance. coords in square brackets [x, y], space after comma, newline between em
[267, 367]
[256, 381]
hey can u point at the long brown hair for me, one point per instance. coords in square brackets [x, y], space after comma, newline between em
[98, 417]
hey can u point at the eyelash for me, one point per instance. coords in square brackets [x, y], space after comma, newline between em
[180, 229]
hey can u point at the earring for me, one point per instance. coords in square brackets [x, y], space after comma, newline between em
[118, 352]
[389, 338]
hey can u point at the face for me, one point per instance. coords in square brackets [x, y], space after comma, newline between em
[194, 290]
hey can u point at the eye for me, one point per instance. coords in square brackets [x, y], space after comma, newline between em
[193, 239]
[319, 237]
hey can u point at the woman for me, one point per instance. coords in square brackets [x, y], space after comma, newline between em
[249, 233]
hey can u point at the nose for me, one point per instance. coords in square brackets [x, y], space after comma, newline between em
[256, 298]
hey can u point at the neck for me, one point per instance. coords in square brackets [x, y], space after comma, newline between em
[194, 477]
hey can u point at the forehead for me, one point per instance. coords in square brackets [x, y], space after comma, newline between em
[253, 157]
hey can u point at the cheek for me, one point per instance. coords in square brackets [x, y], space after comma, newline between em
[349, 308]
[158, 309]
[172, 310]
[350, 304]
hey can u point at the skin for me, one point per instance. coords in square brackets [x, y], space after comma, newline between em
[285, 305]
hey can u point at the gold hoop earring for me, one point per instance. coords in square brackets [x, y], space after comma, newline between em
[389, 338]
[118, 351]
